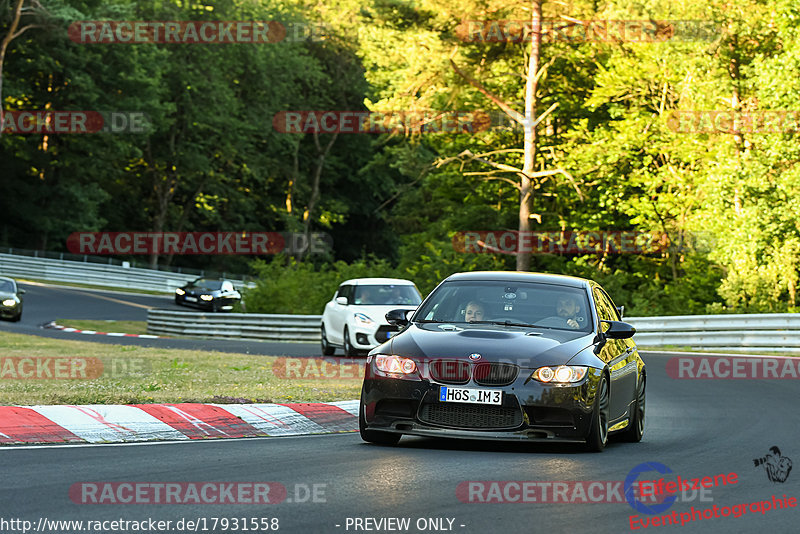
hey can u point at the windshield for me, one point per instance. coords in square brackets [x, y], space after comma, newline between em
[514, 303]
[207, 284]
[6, 286]
[383, 295]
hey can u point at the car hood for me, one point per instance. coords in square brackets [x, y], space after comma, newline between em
[527, 347]
[198, 289]
[6, 295]
[378, 312]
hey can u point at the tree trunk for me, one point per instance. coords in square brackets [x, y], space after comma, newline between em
[529, 163]
[322, 153]
[12, 30]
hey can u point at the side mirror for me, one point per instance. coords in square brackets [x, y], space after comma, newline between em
[619, 330]
[341, 300]
[21, 291]
[397, 317]
[621, 310]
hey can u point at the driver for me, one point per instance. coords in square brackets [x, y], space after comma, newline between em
[567, 307]
[474, 311]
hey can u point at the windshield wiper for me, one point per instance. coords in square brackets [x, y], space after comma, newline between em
[431, 321]
[509, 323]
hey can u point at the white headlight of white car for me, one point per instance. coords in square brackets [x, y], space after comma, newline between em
[363, 320]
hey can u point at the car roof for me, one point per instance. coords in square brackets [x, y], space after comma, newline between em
[7, 279]
[378, 281]
[522, 276]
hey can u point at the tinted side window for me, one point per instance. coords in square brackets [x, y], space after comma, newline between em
[347, 292]
[603, 309]
[605, 306]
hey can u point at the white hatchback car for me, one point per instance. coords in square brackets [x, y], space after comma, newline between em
[354, 318]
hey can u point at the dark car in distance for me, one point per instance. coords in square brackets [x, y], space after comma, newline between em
[507, 356]
[209, 294]
[10, 299]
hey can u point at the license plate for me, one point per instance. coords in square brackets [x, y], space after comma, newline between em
[474, 396]
[191, 299]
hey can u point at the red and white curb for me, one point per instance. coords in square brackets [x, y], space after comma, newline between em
[52, 324]
[97, 423]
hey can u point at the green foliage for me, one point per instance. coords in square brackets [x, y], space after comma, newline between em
[729, 204]
[286, 285]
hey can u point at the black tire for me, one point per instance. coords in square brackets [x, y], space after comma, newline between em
[635, 430]
[215, 306]
[598, 430]
[177, 300]
[327, 348]
[374, 436]
[17, 317]
[349, 351]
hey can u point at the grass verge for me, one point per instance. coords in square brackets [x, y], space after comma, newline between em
[123, 374]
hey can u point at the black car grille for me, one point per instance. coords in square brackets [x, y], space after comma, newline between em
[484, 373]
[495, 374]
[450, 371]
[470, 415]
[383, 332]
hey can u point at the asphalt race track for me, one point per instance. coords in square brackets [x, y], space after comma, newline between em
[45, 303]
[695, 428]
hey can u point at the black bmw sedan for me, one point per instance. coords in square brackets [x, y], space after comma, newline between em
[10, 299]
[507, 356]
[214, 295]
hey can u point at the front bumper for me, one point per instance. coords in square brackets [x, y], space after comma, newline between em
[223, 305]
[10, 311]
[364, 338]
[530, 411]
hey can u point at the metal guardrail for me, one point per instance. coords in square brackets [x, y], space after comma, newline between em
[773, 332]
[235, 325]
[759, 332]
[99, 274]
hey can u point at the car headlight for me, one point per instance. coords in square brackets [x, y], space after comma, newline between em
[206, 297]
[363, 320]
[9, 302]
[395, 364]
[563, 374]
[180, 291]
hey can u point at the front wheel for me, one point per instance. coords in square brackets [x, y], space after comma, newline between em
[598, 431]
[635, 429]
[374, 436]
[17, 317]
[327, 348]
[349, 351]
